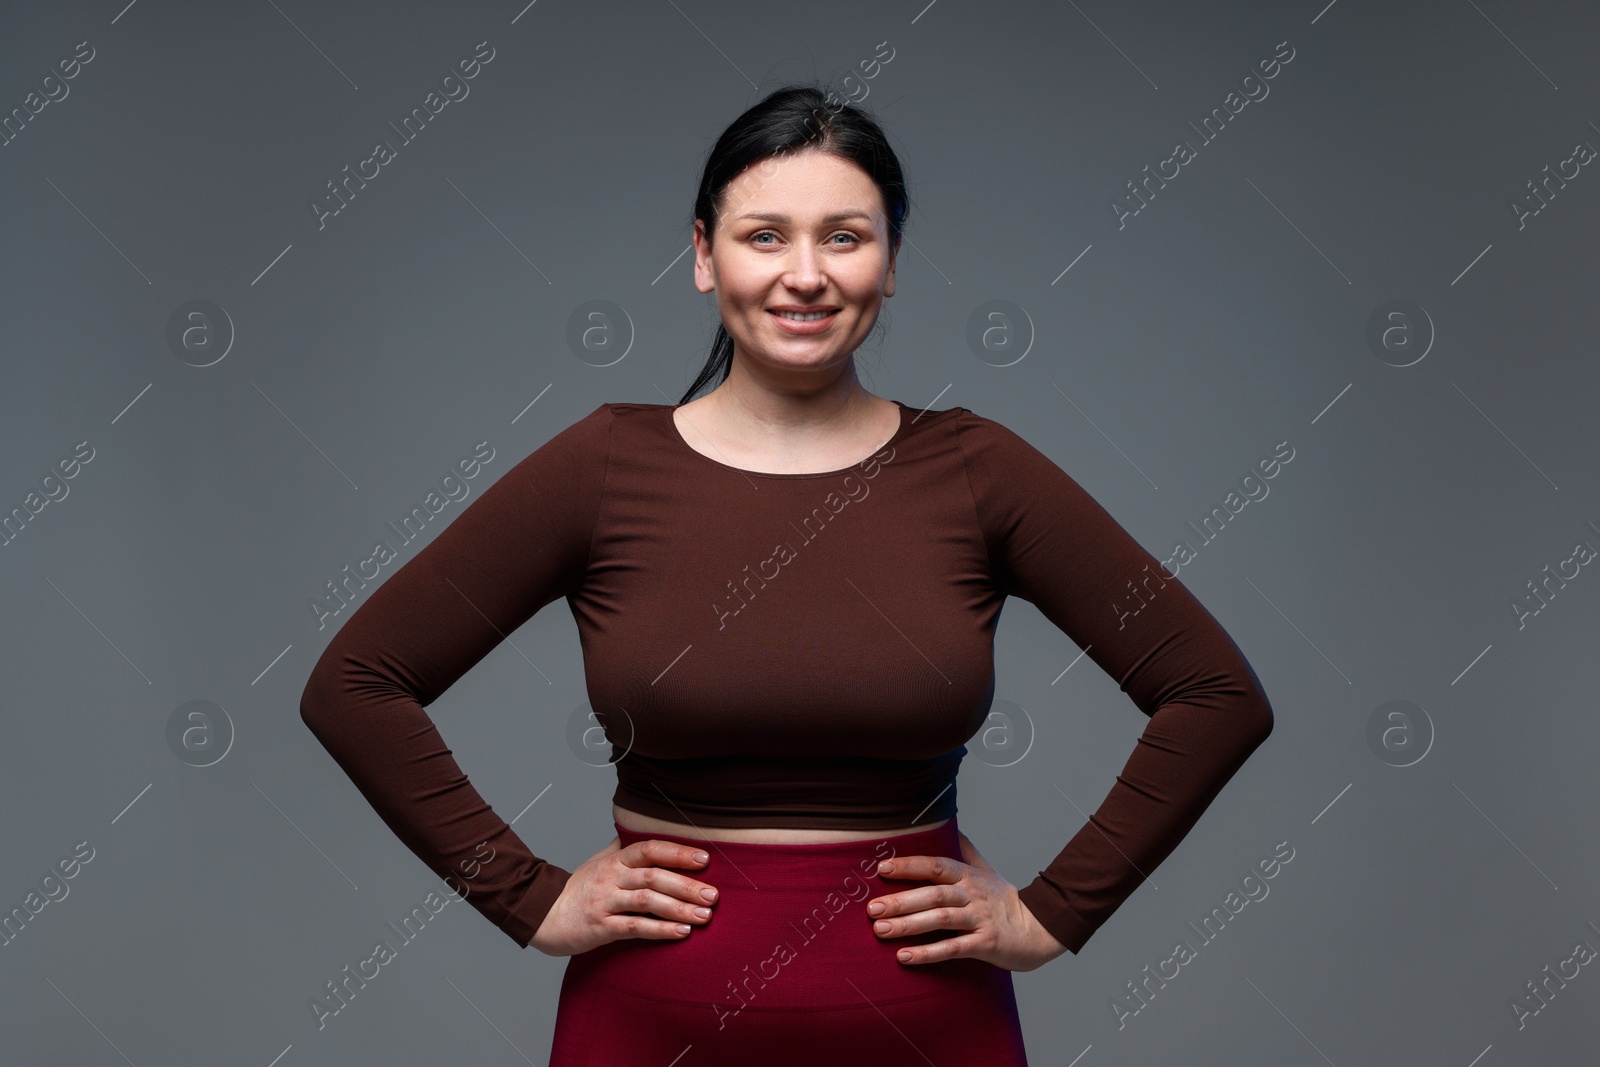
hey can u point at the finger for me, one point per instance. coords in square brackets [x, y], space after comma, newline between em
[967, 945]
[923, 868]
[920, 922]
[658, 853]
[669, 882]
[910, 900]
[653, 903]
[622, 926]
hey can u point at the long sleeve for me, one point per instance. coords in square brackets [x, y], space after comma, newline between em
[524, 542]
[1053, 545]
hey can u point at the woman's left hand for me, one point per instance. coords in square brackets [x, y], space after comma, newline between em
[971, 897]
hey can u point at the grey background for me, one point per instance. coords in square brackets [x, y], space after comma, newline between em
[1229, 315]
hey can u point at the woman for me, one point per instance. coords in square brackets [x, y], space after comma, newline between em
[787, 878]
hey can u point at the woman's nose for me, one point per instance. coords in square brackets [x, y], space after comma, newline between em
[806, 267]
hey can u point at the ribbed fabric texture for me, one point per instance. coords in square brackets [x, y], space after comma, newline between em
[785, 650]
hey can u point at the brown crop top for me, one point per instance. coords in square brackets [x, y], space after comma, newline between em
[785, 650]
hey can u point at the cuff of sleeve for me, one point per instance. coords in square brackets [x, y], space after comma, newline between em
[1056, 915]
[523, 921]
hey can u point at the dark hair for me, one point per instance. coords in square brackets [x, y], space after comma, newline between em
[790, 119]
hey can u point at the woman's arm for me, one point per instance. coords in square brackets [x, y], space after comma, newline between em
[1053, 545]
[522, 544]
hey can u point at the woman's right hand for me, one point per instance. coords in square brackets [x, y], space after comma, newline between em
[595, 905]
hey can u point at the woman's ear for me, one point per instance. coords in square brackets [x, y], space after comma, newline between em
[705, 275]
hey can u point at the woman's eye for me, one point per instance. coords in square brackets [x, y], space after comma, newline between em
[768, 233]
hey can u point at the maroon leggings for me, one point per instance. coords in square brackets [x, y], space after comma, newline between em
[788, 971]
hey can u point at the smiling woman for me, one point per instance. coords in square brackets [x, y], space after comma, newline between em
[810, 253]
[819, 737]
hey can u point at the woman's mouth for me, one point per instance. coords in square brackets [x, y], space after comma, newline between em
[807, 322]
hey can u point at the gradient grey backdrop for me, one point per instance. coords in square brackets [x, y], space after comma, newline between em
[1228, 315]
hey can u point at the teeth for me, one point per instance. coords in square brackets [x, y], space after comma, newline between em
[806, 317]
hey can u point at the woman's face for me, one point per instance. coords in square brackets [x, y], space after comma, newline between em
[802, 230]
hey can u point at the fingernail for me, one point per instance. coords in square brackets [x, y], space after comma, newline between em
[701, 857]
[881, 928]
[682, 928]
[708, 895]
[886, 867]
[703, 913]
[905, 957]
[875, 908]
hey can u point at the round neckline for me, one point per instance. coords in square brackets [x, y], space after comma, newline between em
[677, 435]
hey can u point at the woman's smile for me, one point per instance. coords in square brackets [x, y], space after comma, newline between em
[803, 323]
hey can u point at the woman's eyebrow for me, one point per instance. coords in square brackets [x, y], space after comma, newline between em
[777, 216]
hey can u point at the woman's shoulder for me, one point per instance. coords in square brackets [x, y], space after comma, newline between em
[605, 415]
[984, 434]
[630, 412]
